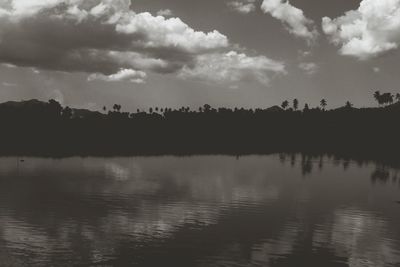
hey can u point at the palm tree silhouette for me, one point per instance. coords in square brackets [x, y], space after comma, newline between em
[378, 98]
[285, 104]
[117, 108]
[323, 104]
[389, 98]
[295, 104]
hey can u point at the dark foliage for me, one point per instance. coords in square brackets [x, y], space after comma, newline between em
[39, 128]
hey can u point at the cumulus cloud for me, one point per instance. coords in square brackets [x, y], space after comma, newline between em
[309, 67]
[292, 17]
[97, 36]
[130, 75]
[103, 38]
[243, 6]
[170, 33]
[165, 13]
[369, 31]
[232, 67]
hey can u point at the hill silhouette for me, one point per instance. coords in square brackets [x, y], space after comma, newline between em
[46, 128]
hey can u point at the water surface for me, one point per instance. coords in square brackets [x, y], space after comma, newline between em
[287, 210]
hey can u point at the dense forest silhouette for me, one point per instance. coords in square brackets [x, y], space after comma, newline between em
[46, 128]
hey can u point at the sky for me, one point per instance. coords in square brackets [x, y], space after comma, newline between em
[173, 53]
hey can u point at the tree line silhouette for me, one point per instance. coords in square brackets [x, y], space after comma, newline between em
[46, 128]
[386, 98]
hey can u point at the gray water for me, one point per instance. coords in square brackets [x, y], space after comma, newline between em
[198, 211]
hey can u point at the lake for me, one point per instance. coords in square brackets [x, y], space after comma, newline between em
[275, 210]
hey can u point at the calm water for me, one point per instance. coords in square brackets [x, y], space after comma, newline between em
[198, 211]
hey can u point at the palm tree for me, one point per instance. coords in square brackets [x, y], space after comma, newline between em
[348, 104]
[104, 108]
[306, 107]
[295, 104]
[390, 98]
[117, 108]
[285, 104]
[377, 96]
[323, 104]
[386, 98]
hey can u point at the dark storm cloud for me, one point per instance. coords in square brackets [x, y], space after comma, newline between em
[106, 37]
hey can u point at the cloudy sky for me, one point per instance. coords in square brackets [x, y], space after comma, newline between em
[251, 53]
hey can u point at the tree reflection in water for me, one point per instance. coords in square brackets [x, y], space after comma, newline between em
[277, 210]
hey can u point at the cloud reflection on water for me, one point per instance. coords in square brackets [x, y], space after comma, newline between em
[202, 210]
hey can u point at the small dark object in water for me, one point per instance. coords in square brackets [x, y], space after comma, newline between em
[22, 160]
[398, 202]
